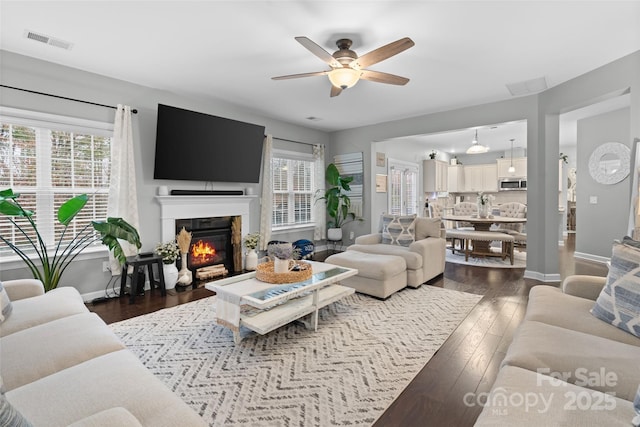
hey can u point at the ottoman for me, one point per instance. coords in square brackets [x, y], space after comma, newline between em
[378, 275]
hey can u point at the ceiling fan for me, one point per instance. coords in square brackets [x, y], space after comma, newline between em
[347, 68]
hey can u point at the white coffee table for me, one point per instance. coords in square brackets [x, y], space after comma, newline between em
[243, 300]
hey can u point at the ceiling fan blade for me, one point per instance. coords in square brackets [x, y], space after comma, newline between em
[318, 51]
[335, 91]
[382, 53]
[380, 77]
[297, 76]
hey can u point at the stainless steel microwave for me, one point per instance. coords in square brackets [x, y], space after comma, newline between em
[510, 184]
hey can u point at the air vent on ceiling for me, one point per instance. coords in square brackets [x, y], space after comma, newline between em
[528, 86]
[52, 41]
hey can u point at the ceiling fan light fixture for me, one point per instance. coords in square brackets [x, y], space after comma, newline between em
[344, 78]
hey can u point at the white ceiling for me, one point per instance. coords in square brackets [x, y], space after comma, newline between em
[465, 51]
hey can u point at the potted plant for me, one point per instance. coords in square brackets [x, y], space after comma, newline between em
[251, 243]
[433, 154]
[169, 252]
[282, 255]
[54, 264]
[338, 202]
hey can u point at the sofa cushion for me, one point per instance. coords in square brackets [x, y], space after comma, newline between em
[547, 304]
[413, 259]
[5, 304]
[85, 336]
[55, 304]
[109, 418]
[524, 398]
[116, 379]
[582, 359]
[619, 301]
[398, 230]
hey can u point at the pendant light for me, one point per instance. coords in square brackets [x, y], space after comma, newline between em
[511, 168]
[476, 147]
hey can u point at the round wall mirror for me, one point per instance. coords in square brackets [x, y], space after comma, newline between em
[609, 163]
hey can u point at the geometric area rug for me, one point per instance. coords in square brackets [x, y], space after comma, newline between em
[364, 353]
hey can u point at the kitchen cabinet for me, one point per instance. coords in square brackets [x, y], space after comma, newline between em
[434, 175]
[455, 182]
[490, 178]
[519, 164]
[481, 178]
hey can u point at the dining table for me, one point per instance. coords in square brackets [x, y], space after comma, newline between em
[484, 224]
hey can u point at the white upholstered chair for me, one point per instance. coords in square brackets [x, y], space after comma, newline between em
[436, 210]
[514, 210]
[465, 209]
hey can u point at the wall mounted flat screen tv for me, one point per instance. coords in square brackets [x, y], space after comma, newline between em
[201, 147]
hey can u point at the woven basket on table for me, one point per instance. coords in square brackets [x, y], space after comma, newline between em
[265, 273]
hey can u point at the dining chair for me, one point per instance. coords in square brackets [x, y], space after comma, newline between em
[465, 209]
[512, 210]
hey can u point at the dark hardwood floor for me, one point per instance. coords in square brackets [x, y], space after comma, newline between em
[467, 362]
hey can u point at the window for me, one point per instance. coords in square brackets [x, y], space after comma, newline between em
[403, 188]
[49, 159]
[293, 189]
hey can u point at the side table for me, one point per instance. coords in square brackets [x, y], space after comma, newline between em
[138, 262]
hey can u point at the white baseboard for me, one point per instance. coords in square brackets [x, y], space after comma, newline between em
[90, 296]
[591, 257]
[542, 277]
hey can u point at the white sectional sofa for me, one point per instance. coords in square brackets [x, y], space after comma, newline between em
[565, 366]
[61, 365]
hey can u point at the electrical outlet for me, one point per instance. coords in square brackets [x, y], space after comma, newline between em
[106, 266]
[593, 200]
[351, 235]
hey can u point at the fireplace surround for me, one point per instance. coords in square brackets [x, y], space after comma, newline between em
[176, 208]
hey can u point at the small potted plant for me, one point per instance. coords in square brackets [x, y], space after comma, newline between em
[169, 252]
[433, 154]
[250, 242]
[282, 255]
[484, 204]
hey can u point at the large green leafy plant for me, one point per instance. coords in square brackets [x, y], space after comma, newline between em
[54, 260]
[338, 202]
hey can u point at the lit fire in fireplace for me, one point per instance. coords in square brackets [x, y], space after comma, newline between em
[202, 252]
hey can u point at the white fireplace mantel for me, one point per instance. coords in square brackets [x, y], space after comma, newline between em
[181, 207]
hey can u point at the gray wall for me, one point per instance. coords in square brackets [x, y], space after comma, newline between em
[597, 225]
[541, 112]
[33, 74]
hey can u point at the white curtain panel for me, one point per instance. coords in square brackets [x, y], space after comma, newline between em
[319, 208]
[266, 200]
[123, 200]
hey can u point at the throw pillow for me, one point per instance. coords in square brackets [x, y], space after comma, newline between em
[398, 230]
[9, 416]
[619, 300]
[5, 304]
[626, 240]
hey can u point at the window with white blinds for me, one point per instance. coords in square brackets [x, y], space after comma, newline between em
[293, 189]
[403, 188]
[48, 160]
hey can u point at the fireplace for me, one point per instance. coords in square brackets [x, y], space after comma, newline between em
[212, 242]
[175, 208]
